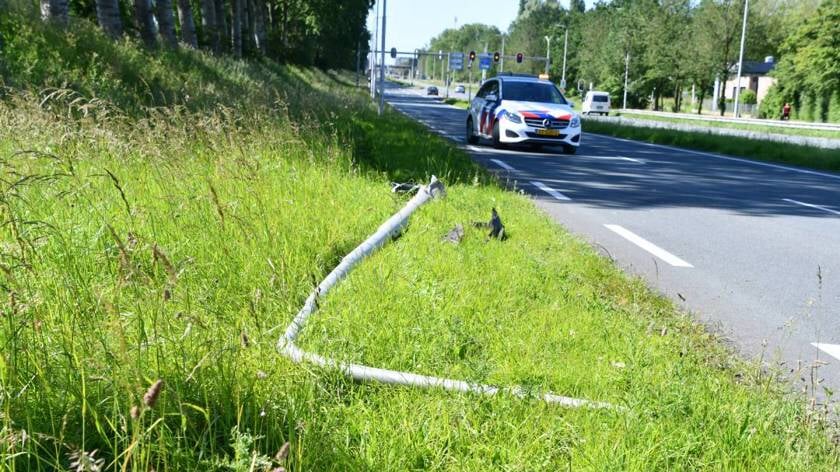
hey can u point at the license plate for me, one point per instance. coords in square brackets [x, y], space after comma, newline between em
[548, 132]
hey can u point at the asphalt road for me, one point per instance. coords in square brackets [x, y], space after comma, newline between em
[751, 249]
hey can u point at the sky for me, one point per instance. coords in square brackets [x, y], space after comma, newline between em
[410, 24]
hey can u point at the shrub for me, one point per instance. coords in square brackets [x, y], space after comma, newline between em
[748, 97]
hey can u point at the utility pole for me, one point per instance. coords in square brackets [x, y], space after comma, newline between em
[382, 60]
[413, 61]
[741, 61]
[547, 53]
[626, 67]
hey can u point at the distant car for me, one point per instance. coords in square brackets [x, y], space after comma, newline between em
[523, 109]
[460, 89]
[596, 102]
[431, 90]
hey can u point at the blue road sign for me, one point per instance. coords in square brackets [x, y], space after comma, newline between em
[485, 61]
[456, 61]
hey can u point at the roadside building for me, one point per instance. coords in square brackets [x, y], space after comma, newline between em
[755, 76]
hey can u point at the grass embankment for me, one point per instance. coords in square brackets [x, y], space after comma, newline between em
[757, 128]
[161, 231]
[784, 153]
[457, 102]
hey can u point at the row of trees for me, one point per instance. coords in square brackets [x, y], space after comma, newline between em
[669, 46]
[325, 33]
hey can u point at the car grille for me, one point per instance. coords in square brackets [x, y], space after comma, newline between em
[553, 124]
[539, 136]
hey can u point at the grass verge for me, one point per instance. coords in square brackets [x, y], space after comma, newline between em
[792, 154]
[143, 240]
[817, 133]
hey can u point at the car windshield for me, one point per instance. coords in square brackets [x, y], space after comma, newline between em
[533, 92]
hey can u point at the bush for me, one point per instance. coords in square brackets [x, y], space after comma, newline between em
[748, 97]
[771, 106]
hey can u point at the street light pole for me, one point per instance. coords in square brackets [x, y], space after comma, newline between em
[373, 54]
[565, 46]
[382, 61]
[626, 67]
[741, 61]
[547, 53]
[502, 59]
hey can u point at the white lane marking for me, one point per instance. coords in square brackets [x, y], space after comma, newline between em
[648, 246]
[502, 164]
[832, 350]
[545, 188]
[613, 158]
[811, 205]
[726, 158]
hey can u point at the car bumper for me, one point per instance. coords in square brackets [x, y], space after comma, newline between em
[513, 133]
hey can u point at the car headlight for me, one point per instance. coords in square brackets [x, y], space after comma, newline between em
[514, 118]
[575, 122]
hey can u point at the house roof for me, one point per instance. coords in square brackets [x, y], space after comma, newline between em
[753, 68]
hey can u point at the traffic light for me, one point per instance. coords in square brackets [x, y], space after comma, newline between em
[472, 56]
[393, 53]
[519, 57]
[496, 56]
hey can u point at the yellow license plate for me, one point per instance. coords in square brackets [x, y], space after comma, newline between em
[548, 132]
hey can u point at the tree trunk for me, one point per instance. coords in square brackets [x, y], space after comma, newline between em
[237, 28]
[262, 20]
[702, 96]
[221, 25]
[253, 42]
[55, 11]
[108, 14]
[185, 17]
[145, 21]
[166, 22]
[209, 25]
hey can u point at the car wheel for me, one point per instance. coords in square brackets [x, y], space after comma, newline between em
[496, 142]
[472, 138]
[568, 149]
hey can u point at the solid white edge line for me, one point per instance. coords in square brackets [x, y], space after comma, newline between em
[811, 205]
[545, 188]
[832, 350]
[726, 158]
[648, 246]
[502, 164]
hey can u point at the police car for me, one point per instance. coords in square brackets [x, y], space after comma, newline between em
[510, 109]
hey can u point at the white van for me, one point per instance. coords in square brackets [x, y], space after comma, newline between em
[596, 102]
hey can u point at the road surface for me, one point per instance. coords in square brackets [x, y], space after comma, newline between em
[752, 249]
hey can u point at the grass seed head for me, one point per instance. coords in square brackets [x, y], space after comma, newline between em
[151, 396]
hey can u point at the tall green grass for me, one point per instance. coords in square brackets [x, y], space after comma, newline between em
[152, 236]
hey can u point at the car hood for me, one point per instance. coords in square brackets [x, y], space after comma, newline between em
[539, 110]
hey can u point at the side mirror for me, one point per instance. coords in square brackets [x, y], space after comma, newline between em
[491, 97]
[571, 104]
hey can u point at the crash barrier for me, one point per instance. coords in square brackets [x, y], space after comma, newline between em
[392, 227]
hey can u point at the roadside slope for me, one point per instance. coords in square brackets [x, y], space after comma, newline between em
[162, 232]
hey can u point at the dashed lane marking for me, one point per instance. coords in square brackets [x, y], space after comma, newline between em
[554, 193]
[648, 246]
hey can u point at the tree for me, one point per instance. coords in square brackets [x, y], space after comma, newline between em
[185, 17]
[237, 28]
[145, 21]
[108, 15]
[209, 25]
[55, 11]
[166, 22]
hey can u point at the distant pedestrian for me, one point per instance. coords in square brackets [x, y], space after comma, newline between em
[786, 111]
